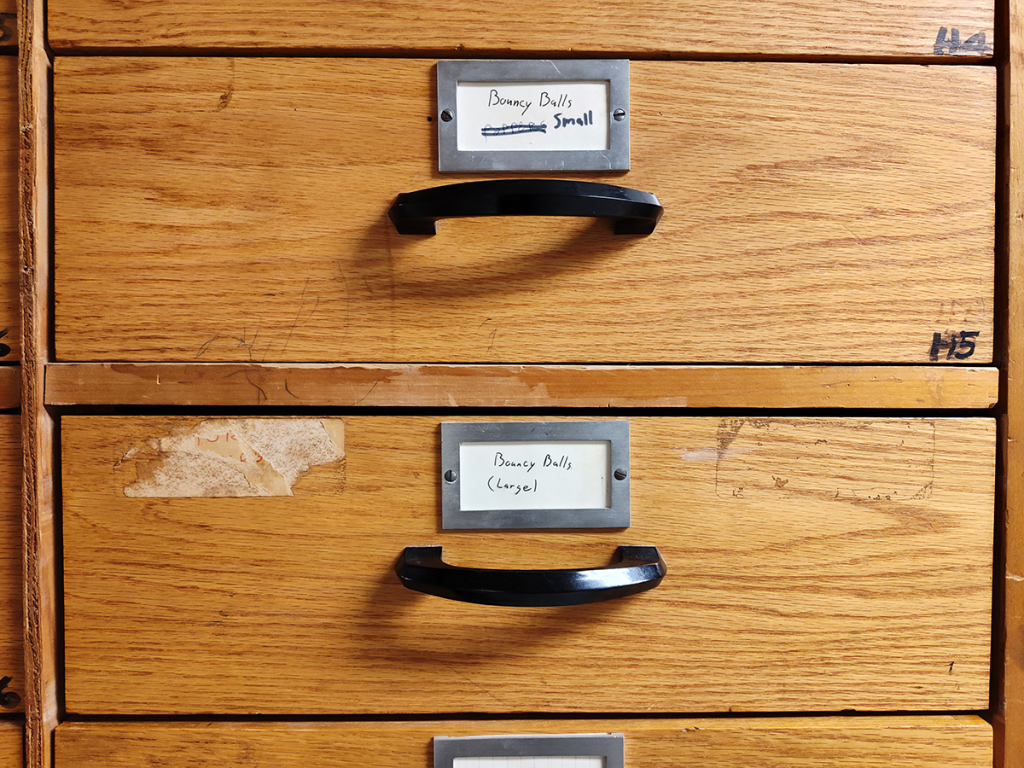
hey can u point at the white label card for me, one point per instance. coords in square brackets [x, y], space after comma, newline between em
[523, 117]
[572, 474]
[517, 751]
[588, 761]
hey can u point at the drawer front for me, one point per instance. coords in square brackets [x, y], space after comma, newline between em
[874, 742]
[458, 27]
[236, 210]
[12, 662]
[11, 740]
[813, 564]
[10, 271]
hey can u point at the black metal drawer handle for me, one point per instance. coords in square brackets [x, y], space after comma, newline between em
[638, 569]
[634, 212]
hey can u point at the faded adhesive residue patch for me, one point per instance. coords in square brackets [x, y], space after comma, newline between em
[845, 460]
[225, 458]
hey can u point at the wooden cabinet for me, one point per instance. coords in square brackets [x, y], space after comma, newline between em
[222, 263]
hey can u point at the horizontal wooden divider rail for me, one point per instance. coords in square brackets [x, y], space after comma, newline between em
[530, 386]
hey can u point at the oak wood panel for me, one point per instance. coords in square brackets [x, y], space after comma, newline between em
[873, 742]
[235, 210]
[1010, 676]
[462, 27]
[814, 564]
[42, 703]
[10, 386]
[12, 752]
[12, 659]
[212, 384]
[10, 322]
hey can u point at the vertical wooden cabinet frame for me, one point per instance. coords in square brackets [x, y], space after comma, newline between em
[41, 700]
[1010, 706]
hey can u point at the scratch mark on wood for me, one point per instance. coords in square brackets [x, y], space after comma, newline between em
[298, 315]
[225, 98]
[369, 392]
[261, 395]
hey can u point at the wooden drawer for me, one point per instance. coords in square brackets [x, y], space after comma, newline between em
[11, 739]
[12, 662]
[873, 742]
[220, 209]
[653, 28]
[813, 565]
[10, 272]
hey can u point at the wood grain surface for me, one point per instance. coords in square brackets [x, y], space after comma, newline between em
[870, 742]
[1010, 704]
[10, 322]
[226, 209]
[10, 386]
[212, 384]
[12, 659]
[12, 743]
[41, 630]
[462, 27]
[814, 565]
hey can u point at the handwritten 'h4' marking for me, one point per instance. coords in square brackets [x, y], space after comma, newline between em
[951, 45]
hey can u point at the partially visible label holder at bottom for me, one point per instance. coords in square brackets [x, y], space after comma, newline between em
[604, 750]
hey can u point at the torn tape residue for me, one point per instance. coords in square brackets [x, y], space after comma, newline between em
[222, 458]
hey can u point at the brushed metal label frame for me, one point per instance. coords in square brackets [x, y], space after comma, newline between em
[610, 746]
[455, 433]
[614, 71]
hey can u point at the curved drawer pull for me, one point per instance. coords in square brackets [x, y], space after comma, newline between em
[634, 212]
[638, 569]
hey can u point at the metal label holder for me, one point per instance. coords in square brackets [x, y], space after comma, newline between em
[614, 72]
[615, 515]
[610, 746]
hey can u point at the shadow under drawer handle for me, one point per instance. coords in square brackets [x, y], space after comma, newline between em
[638, 569]
[634, 212]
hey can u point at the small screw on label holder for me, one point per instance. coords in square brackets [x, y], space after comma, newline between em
[450, 476]
[447, 115]
[619, 115]
[620, 474]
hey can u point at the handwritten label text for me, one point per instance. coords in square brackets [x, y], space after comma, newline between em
[521, 116]
[535, 475]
